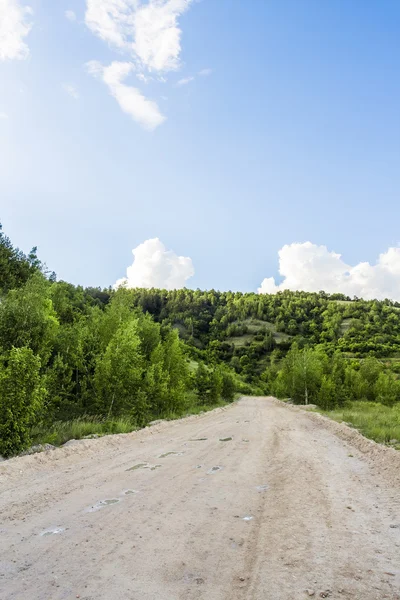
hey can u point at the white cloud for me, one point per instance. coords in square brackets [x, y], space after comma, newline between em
[205, 72]
[149, 32]
[143, 77]
[313, 268]
[3, 116]
[157, 34]
[70, 15]
[155, 266]
[14, 27]
[185, 81]
[71, 90]
[143, 111]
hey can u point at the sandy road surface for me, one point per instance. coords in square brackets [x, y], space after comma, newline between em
[324, 513]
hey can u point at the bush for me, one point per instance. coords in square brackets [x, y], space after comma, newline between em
[21, 398]
[228, 387]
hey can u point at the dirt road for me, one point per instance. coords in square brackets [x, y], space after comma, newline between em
[292, 507]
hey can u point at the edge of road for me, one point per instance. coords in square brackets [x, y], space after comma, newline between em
[89, 447]
[388, 459]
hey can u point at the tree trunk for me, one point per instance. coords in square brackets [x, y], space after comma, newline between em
[111, 405]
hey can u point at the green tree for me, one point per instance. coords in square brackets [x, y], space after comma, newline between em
[175, 371]
[22, 393]
[27, 318]
[15, 267]
[370, 371]
[327, 394]
[228, 387]
[119, 375]
[387, 389]
[156, 383]
[202, 383]
[301, 374]
[308, 374]
[215, 388]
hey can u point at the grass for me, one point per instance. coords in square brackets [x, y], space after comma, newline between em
[376, 421]
[194, 410]
[254, 326]
[193, 366]
[241, 340]
[345, 325]
[60, 432]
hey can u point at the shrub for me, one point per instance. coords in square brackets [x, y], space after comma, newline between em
[21, 398]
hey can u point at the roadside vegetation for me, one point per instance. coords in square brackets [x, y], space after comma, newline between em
[77, 361]
[375, 421]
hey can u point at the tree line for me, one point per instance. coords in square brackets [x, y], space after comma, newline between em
[68, 351]
[310, 375]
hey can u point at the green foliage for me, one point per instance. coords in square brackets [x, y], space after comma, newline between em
[310, 375]
[140, 354]
[21, 399]
[387, 389]
[119, 375]
[228, 387]
[378, 422]
[301, 375]
[59, 432]
[27, 318]
[327, 393]
[212, 383]
[15, 267]
[202, 383]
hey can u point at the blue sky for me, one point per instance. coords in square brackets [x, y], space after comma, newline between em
[291, 136]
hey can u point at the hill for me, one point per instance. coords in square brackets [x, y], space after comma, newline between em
[77, 361]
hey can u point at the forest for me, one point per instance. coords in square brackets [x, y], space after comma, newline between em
[80, 361]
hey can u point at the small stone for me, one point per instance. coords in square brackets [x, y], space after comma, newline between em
[241, 578]
[395, 526]
[310, 592]
[38, 448]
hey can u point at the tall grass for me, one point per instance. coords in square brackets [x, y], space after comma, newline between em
[376, 421]
[76, 429]
[62, 431]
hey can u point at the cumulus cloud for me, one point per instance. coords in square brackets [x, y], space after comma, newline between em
[14, 27]
[149, 32]
[185, 81]
[70, 15]
[155, 266]
[130, 99]
[313, 268]
[205, 72]
[71, 90]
